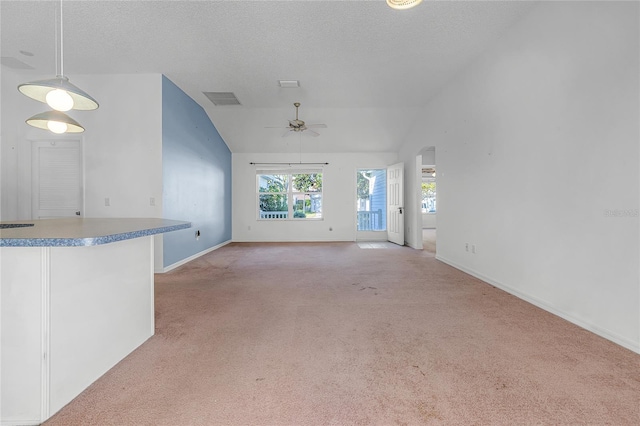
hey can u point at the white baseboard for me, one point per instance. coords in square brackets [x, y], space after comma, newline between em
[190, 258]
[22, 422]
[412, 245]
[602, 332]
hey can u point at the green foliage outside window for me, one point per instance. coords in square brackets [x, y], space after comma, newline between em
[277, 201]
[428, 189]
[363, 184]
[307, 182]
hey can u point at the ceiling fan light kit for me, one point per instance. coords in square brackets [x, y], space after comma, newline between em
[60, 95]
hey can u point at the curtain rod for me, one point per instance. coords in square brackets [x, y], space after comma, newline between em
[289, 164]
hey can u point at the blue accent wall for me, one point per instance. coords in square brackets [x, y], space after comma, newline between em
[196, 173]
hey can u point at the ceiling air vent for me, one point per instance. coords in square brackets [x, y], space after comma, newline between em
[222, 98]
[289, 84]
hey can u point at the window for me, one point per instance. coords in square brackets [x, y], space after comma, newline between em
[372, 199]
[428, 195]
[289, 195]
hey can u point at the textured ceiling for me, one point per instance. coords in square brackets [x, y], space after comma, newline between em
[365, 70]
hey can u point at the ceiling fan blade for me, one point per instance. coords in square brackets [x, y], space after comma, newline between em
[312, 133]
[276, 127]
[316, 126]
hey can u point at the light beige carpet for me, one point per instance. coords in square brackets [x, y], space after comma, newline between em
[333, 334]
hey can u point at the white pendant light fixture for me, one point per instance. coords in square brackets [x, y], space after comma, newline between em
[55, 121]
[403, 4]
[58, 92]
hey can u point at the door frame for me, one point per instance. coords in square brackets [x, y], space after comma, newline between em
[420, 158]
[418, 206]
[380, 235]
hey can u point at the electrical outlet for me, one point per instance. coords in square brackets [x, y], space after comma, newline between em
[466, 246]
[473, 249]
[107, 202]
[249, 228]
[152, 201]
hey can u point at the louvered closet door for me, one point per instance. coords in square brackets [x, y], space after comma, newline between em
[57, 179]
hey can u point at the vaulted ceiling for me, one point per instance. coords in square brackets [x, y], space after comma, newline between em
[364, 69]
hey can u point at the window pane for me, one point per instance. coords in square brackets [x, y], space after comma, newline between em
[429, 196]
[307, 182]
[372, 200]
[273, 183]
[307, 206]
[273, 206]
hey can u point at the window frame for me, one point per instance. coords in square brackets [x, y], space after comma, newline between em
[365, 219]
[290, 194]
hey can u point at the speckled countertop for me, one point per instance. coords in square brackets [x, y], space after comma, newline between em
[74, 232]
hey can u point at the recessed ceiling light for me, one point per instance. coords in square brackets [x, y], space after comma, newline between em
[289, 84]
[25, 53]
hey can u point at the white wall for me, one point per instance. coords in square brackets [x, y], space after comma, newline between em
[536, 140]
[339, 202]
[123, 145]
[12, 140]
[123, 148]
[428, 220]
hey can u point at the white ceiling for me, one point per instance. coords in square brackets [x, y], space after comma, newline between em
[365, 70]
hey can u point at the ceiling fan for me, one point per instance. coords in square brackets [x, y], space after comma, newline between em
[298, 125]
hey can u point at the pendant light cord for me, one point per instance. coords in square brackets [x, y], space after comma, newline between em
[61, 43]
[56, 39]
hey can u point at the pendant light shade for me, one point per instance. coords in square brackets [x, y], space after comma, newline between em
[55, 121]
[59, 94]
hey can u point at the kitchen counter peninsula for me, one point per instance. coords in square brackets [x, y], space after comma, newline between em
[77, 296]
[73, 232]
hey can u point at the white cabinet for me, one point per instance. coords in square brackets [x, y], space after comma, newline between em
[68, 314]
